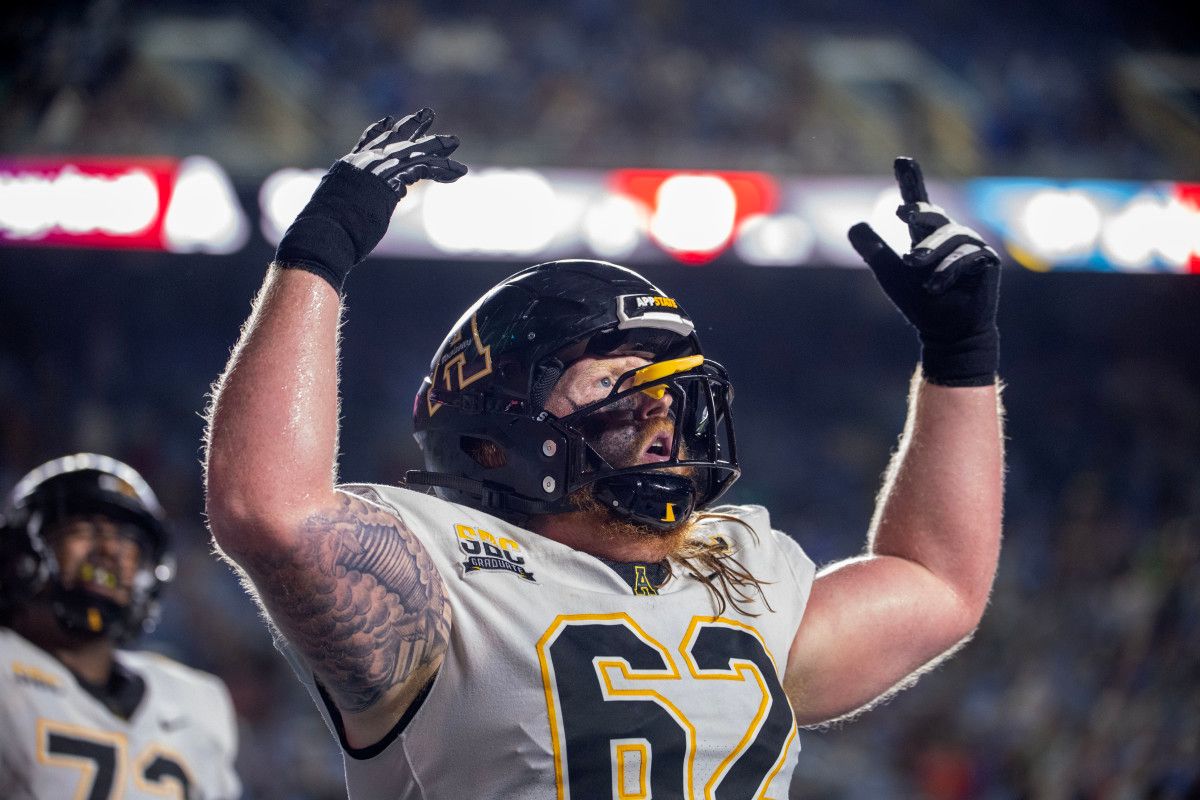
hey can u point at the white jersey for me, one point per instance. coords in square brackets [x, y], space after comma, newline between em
[58, 741]
[560, 682]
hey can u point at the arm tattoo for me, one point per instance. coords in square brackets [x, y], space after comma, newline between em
[360, 598]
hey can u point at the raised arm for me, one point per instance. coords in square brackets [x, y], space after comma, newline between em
[345, 581]
[875, 622]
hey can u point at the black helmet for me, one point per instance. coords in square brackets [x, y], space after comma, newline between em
[82, 484]
[493, 374]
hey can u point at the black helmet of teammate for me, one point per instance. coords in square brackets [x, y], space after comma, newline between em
[480, 415]
[84, 483]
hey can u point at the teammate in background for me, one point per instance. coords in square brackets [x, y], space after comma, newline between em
[570, 614]
[83, 556]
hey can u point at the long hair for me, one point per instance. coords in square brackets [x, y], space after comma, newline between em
[710, 560]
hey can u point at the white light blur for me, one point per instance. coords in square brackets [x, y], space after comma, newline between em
[203, 214]
[614, 226]
[1128, 237]
[1056, 225]
[780, 240]
[831, 207]
[32, 205]
[121, 205]
[694, 213]
[130, 206]
[282, 196]
[1180, 234]
[27, 207]
[502, 212]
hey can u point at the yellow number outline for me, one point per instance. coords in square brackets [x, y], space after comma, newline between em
[739, 672]
[603, 668]
[87, 767]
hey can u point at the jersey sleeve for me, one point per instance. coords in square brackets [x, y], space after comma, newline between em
[8, 725]
[303, 673]
[769, 554]
[227, 729]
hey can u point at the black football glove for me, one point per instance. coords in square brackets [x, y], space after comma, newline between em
[947, 286]
[351, 208]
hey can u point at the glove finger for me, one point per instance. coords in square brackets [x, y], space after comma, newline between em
[373, 131]
[411, 174]
[438, 168]
[922, 218]
[912, 191]
[442, 144]
[911, 181]
[415, 124]
[909, 211]
[889, 270]
[445, 170]
[427, 146]
[932, 220]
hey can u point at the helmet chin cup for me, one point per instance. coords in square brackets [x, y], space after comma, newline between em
[661, 500]
[84, 614]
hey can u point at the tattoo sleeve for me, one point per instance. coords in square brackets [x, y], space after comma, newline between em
[359, 597]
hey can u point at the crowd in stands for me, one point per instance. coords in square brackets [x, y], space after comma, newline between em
[793, 88]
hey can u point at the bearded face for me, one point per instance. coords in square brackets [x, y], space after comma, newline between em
[637, 429]
[98, 556]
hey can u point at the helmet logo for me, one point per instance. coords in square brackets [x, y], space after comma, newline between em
[669, 515]
[653, 311]
[654, 300]
[456, 357]
[114, 484]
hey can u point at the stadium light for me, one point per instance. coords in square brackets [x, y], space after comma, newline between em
[614, 226]
[204, 214]
[775, 240]
[146, 203]
[492, 212]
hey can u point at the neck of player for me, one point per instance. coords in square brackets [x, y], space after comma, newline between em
[89, 657]
[594, 534]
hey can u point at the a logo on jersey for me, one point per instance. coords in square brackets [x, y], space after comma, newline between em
[32, 676]
[487, 552]
[641, 581]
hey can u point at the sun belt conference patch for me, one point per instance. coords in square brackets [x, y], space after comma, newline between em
[487, 552]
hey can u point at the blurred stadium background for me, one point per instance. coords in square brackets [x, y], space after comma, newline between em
[150, 153]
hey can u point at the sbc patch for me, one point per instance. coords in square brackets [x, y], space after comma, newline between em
[486, 552]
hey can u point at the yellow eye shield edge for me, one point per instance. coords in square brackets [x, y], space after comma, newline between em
[663, 369]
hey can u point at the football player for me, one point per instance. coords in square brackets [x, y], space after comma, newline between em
[556, 606]
[83, 557]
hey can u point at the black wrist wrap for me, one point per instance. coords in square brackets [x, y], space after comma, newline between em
[973, 361]
[346, 217]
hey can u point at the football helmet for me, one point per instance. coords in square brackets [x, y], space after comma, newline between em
[480, 415]
[84, 483]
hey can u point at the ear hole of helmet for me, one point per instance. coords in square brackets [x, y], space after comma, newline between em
[545, 377]
[483, 452]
